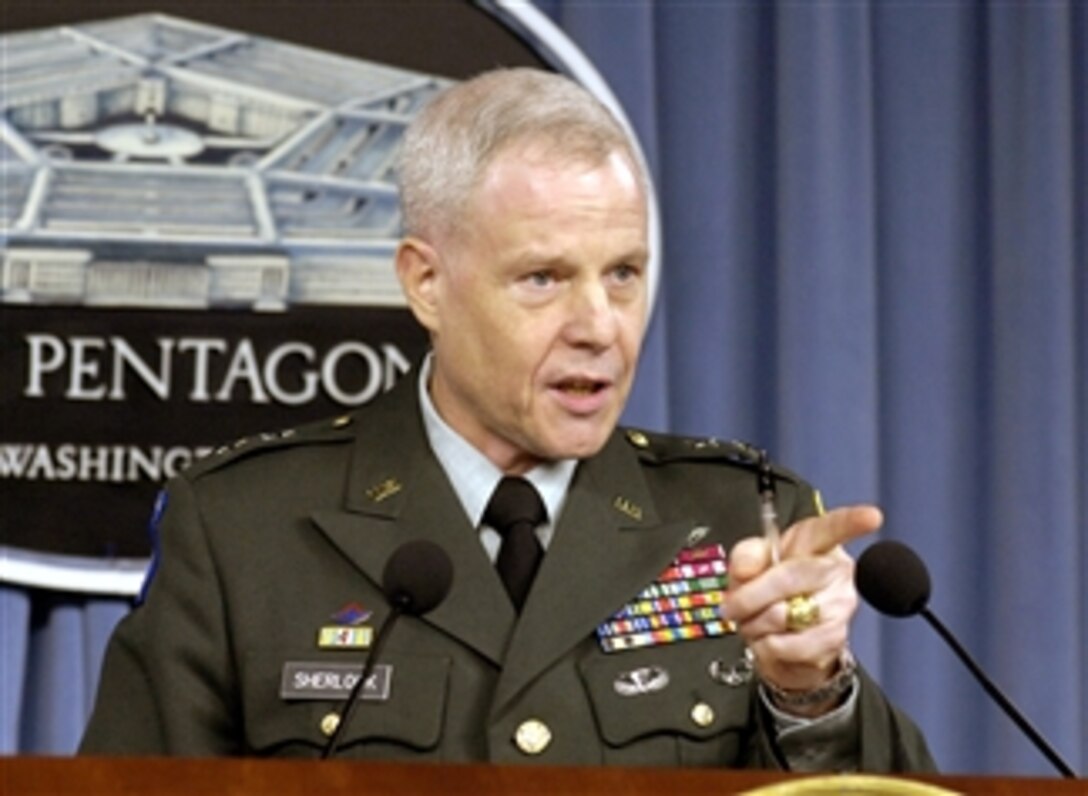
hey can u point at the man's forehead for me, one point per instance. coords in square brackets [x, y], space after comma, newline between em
[532, 163]
[553, 153]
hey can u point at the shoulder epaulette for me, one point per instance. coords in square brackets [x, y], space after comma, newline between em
[336, 429]
[656, 448]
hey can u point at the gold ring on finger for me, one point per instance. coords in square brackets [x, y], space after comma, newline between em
[802, 612]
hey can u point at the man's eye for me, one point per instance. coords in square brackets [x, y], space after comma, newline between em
[625, 273]
[540, 278]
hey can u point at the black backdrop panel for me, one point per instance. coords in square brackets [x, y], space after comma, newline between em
[102, 400]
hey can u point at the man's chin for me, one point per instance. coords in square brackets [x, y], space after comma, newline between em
[582, 446]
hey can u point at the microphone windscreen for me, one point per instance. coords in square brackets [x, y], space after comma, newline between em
[893, 579]
[417, 576]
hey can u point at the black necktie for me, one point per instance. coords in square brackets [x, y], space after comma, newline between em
[514, 511]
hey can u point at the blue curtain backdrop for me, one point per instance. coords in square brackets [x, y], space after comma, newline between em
[876, 265]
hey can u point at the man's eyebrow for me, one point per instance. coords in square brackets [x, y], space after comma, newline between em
[638, 256]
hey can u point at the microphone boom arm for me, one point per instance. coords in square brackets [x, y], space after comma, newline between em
[991, 688]
[360, 684]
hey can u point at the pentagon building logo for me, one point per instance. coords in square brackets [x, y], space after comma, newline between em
[150, 161]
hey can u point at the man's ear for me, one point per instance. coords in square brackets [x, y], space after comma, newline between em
[418, 270]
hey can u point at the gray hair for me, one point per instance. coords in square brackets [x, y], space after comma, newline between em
[450, 144]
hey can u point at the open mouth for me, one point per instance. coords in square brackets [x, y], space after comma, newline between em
[581, 387]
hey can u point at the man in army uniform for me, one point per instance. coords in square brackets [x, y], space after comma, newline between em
[525, 258]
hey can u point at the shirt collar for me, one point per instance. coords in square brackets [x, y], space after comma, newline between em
[472, 475]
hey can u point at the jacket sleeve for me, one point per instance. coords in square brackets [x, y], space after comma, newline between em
[168, 684]
[890, 741]
[887, 740]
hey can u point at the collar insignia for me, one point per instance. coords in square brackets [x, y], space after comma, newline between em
[385, 489]
[625, 506]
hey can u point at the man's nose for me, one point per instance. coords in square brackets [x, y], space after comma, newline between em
[592, 320]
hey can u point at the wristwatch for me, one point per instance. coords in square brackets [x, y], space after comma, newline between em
[840, 683]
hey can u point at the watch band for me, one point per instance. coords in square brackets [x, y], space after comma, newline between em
[840, 683]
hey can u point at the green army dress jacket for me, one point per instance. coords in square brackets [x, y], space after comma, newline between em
[263, 545]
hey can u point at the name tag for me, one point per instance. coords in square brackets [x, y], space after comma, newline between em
[305, 680]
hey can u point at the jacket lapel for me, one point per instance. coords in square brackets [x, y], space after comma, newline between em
[396, 491]
[609, 544]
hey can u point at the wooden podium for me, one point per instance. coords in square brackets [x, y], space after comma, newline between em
[254, 777]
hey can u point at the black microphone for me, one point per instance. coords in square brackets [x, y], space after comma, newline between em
[415, 580]
[894, 580]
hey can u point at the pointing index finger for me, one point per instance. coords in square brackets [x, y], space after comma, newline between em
[819, 535]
